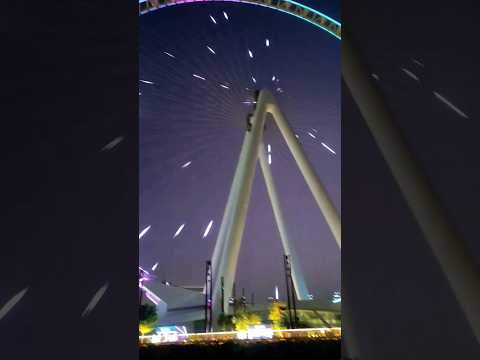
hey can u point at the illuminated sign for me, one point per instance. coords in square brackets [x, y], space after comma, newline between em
[259, 332]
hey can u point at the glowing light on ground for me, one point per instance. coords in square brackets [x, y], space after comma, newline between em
[207, 230]
[144, 231]
[179, 230]
[450, 105]
[329, 148]
[257, 332]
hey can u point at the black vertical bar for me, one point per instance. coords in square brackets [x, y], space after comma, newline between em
[223, 296]
[234, 296]
[294, 302]
[210, 295]
[206, 298]
[288, 292]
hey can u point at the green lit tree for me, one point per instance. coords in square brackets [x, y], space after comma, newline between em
[147, 318]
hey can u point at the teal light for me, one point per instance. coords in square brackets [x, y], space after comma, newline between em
[307, 20]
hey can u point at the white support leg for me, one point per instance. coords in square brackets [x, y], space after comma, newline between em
[297, 275]
[233, 222]
[323, 200]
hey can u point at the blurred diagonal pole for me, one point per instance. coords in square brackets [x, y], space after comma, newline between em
[301, 289]
[315, 185]
[448, 247]
[227, 246]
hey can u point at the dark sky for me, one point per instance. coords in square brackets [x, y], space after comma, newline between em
[71, 210]
[397, 290]
[186, 119]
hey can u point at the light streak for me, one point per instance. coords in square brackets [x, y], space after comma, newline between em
[224, 86]
[375, 76]
[450, 105]
[113, 143]
[418, 62]
[199, 77]
[186, 164]
[154, 267]
[269, 148]
[12, 302]
[315, 130]
[95, 299]
[147, 82]
[409, 73]
[167, 53]
[298, 137]
[211, 50]
[179, 230]
[145, 271]
[250, 54]
[254, 80]
[213, 19]
[267, 42]
[273, 78]
[151, 298]
[269, 159]
[225, 15]
[144, 231]
[207, 230]
[328, 148]
[139, 93]
[313, 136]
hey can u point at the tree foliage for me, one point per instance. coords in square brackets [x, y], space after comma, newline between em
[225, 322]
[147, 318]
[244, 319]
[275, 316]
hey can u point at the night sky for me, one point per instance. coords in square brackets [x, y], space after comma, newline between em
[71, 221]
[187, 119]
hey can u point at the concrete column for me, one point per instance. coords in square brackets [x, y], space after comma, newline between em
[297, 275]
[450, 250]
[321, 197]
[233, 222]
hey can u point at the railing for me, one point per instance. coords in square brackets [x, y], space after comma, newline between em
[223, 336]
